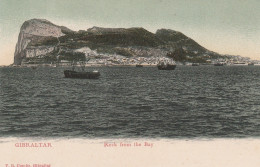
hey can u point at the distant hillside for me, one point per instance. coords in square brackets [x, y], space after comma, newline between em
[40, 38]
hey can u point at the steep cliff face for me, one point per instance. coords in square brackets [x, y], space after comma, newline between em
[35, 30]
[44, 40]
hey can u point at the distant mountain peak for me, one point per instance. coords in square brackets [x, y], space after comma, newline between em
[31, 22]
[35, 29]
[167, 30]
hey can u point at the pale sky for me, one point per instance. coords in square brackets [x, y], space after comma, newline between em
[223, 26]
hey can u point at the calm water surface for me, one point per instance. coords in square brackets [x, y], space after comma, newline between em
[203, 101]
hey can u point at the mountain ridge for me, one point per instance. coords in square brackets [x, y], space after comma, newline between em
[41, 38]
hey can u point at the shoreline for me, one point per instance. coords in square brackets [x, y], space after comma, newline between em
[113, 65]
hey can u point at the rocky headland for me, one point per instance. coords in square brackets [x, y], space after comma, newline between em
[42, 42]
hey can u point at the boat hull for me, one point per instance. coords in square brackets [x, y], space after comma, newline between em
[195, 64]
[218, 64]
[81, 75]
[166, 67]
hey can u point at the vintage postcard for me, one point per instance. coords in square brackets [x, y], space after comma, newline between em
[126, 83]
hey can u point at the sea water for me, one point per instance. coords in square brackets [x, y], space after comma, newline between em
[129, 102]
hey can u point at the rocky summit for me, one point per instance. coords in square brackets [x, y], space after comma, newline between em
[41, 41]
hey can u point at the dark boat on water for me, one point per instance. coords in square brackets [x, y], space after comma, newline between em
[34, 67]
[219, 64]
[195, 64]
[240, 63]
[139, 65]
[251, 64]
[81, 75]
[79, 58]
[166, 66]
